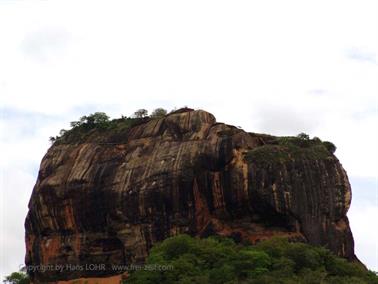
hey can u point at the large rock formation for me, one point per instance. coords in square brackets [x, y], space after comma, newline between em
[108, 201]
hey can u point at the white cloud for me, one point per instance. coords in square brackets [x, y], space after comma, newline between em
[44, 44]
[276, 66]
[365, 231]
[362, 55]
[17, 183]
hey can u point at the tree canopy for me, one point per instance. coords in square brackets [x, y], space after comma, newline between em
[19, 277]
[140, 113]
[220, 261]
[158, 112]
[83, 128]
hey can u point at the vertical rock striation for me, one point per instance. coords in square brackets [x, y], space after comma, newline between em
[108, 202]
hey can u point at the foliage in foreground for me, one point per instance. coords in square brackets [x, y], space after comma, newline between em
[17, 278]
[219, 260]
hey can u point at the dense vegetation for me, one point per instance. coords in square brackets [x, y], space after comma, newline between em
[19, 277]
[220, 260]
[215, 260]
[98, 127]
[286, 148]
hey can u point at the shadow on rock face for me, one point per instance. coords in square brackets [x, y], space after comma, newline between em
[107, 201]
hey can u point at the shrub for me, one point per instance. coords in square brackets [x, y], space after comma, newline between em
[177, 246]
[303, 136]
[97, 127]
[287, 148]
[97, 119]
[316, 139]
[158, 113]
[303, 256]
[220, 260]
[330, 146]
[19, 277]
[140, 113]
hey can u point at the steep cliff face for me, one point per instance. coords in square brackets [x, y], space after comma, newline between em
[108, 201]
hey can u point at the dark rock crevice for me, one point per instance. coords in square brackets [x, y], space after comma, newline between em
[108, 202]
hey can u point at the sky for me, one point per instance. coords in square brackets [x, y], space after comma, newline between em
[278, 67]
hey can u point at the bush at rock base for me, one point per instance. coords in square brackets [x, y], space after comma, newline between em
[221, 260]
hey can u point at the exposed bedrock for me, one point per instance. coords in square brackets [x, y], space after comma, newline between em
[108, 202]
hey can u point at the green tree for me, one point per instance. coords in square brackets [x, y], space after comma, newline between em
[221, 261]
[140, 113]
[19, 277]
[158, 112]
[97, 118]
[94, 119]
[330, 146]
[303, 136]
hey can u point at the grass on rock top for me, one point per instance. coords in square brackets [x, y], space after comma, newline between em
[98, 128]
[285, 149]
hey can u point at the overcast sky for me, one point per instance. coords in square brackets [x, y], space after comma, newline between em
[279, 67]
